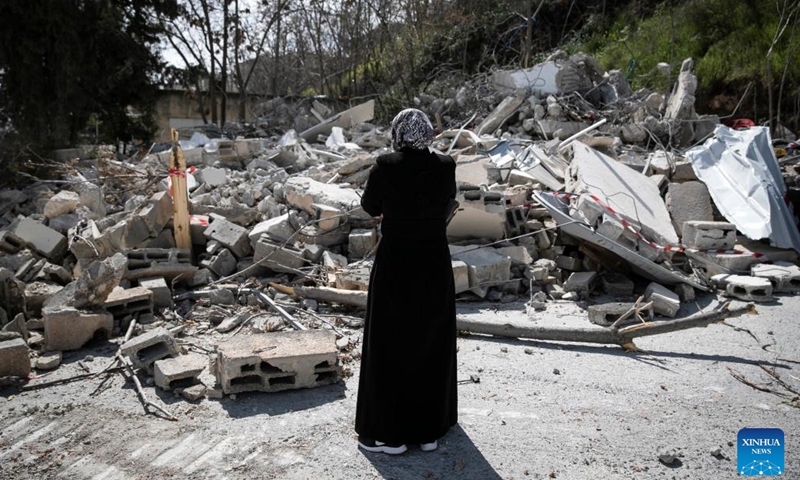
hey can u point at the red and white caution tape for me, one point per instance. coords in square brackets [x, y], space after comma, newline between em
[666, 248]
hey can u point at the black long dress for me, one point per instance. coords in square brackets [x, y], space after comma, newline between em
[407, 388]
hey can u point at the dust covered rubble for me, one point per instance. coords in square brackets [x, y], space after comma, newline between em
[566, 193]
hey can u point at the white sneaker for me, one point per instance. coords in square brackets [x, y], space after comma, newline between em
[429, 447]
[380, 447]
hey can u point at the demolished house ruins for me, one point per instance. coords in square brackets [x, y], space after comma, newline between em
[572, 187]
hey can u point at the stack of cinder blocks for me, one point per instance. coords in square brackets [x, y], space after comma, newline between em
[272, 362]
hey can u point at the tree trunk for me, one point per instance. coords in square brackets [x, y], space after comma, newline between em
[224, 74]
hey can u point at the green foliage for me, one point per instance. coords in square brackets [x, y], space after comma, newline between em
[728, 39]
[63, 62]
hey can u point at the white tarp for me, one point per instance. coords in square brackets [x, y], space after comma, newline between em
[744, 179]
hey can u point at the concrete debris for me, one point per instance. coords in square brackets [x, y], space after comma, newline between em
[48, 361]
[752, 289]
[179, 372]
[665, 301]
[563, 196]
[149, 347]
[70, 329]
[14, 358]
[98, 280]
[277, 361]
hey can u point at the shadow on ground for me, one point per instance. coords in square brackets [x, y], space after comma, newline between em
[456, 457]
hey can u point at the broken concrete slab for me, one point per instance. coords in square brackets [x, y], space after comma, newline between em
[232, 236]
[278, 229]
[179, 372]
[707, 235]
[500, 114]
[688, 201]
[19, 325]
[628, 192]
[277, 361]
[70, 329]
[98, 280]
[277, 258]
[14, 358]
[751, 289]
[304, 192]
[157, 213]
[346, 119]
[149, 347]
[665, 301]
[44, 240]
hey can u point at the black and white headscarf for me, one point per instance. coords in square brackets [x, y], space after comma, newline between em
[411, 128]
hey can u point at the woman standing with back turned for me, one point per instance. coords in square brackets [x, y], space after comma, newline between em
[407, 388]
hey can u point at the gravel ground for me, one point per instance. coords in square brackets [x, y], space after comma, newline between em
[540, 410]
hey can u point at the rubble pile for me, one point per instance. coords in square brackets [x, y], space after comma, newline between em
[571, 188]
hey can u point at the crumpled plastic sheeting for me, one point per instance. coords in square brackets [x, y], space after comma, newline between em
[744, 179]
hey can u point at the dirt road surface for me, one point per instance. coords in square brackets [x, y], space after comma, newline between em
[540, 410]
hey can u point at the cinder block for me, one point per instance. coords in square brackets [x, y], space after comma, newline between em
[709, 235]
[159, 262]
[460, 276]
[162, 295]
[222, 264]
[122, 302]
[734, 262]
[278, 229]
[277, 361]
[230, 235]
[665, 301]
[41, 238]
[277, 258]
[752, 289]
[361, 242]
[581, 283]
[617, 284]
[71, 329]
[785, 276]
[179, 372]
[149, 347]
[606, 314]
[14, 358]
[569, 263]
